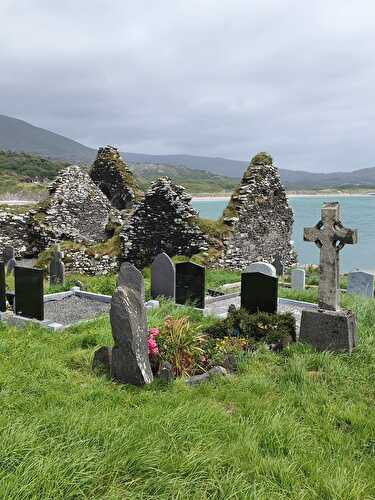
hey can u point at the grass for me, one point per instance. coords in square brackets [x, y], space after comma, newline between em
[297, 425]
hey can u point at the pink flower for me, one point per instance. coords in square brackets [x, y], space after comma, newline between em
[152, 347]
[153, 332]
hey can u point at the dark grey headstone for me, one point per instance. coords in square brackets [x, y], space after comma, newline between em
[130, 277]
[259, 292]
[278, 265]
[130, 360]
[11, 265]
[334, 331]
[8, 253]
[29, 292]
[190, 284]
[2, 288]
[163, 277]
[56, 268]
[166, 372]
[103, 359]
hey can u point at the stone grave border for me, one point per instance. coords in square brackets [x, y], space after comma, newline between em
[14, 319]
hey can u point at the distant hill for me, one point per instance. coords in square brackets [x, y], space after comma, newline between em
[217, 174]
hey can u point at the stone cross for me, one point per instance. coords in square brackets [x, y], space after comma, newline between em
[330, 236]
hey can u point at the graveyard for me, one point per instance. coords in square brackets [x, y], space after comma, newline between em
[183, 362]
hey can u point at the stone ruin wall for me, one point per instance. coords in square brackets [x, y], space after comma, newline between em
[258, 218]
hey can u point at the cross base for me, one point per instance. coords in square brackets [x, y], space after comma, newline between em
[334, 331]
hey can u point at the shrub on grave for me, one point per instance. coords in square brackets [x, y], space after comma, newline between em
[259, 327]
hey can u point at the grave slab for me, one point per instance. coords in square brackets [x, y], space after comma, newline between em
[259, 292]
[298, 279]
[361, 283]
[163, 277]
[190, 284]
[29, 301]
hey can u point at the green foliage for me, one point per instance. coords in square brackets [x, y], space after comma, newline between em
[296, 425]
[264, 327]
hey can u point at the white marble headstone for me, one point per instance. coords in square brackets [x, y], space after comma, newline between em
[361, 283]
[261, 267]
[298, 279]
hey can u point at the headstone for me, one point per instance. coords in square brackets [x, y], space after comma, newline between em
[298, 278]
[163, 277]
[130, 277]
[8, 253]
[3, 305]
[329, 329]
[190, 284]
[29, 292]
[259, 292]
[361, 283]
[56, 268]
[103, 359]
[130, 361]
[261, 267]
[166, 372]
[278, 265]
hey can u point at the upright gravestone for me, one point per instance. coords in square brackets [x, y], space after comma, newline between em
[329, 329]
[261, 267]
[9, 258]
[29, 293]
[298, 279]
[130, 277]
[56, 267]
[259, 287]
[361, 283]
[190, 284]
[3, 305]
[278, 265]
[163, 277]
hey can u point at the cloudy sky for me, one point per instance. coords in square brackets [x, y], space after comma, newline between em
[207, 77]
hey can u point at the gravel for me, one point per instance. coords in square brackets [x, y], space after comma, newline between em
[72, 309]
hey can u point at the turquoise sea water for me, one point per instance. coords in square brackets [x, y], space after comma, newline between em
[356, 212]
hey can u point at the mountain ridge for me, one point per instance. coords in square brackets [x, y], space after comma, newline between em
[20, 136]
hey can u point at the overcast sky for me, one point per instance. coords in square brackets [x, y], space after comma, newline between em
[214, 78]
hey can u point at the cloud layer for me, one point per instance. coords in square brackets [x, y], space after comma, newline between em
[215, 78]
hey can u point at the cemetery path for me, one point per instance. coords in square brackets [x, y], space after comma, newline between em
[220, 307]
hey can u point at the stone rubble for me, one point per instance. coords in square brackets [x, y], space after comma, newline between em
[114, 178]
[164, 221]
[259, 218]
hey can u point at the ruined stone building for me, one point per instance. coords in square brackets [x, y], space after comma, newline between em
[258, 217]
[113, 177]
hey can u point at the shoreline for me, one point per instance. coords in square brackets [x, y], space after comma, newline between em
[221, 197]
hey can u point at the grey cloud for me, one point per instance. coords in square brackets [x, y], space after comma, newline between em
[204, 77]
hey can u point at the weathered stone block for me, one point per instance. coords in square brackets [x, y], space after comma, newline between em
[334, 331]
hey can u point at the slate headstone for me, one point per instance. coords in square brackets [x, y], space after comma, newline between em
[361, 283]
[190, 284]
[130, 362]
[130, 276]
[29, 292]
[8, 253]
[57, 267]
[2, 288]
[278, 265]
[261, 267]
[298, 278]
[259, 292]
[163, 277]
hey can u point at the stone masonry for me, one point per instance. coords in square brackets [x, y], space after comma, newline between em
[258, 217]
[164, 221]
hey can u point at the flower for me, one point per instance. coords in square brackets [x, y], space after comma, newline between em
[153, 332]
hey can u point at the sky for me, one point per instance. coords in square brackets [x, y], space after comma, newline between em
[212, 78]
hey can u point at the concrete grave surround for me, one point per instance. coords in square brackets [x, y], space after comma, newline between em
[261, 267]
[361, 283]
[163, 277]
[329, 329]
[298, 278]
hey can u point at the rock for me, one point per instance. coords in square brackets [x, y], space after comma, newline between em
[198, 379]
[163, 222]
[258, 218]
[103, 359]
[113, 177]
[166, 372]
[130, 361]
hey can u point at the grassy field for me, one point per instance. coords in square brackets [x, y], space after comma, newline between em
[299, 424]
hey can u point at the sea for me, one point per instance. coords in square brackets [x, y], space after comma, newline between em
[357, 212]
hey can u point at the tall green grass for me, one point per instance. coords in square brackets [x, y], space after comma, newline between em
[299, 424]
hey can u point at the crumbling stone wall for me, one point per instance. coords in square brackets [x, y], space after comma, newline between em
[75, 210]
[164, 221]
[15, 230]
[259, 218]
[113, 177]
